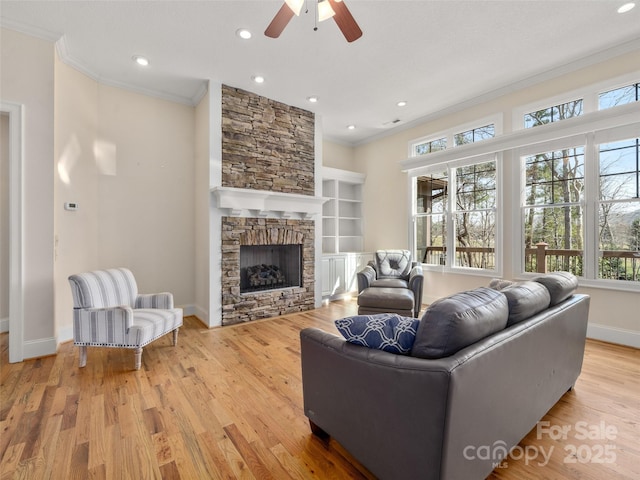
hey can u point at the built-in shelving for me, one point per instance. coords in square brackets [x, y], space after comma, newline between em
[342, 232]
[342, 212]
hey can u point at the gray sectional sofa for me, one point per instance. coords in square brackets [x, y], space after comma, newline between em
[484, 367]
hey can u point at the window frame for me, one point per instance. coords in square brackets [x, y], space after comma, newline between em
[590, 205]
[450, 213]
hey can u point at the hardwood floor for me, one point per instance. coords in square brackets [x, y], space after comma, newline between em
[227, 403]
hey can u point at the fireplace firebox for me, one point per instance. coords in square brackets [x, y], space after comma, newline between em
[269, 267]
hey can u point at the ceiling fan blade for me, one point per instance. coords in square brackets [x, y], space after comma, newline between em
[280, 21]
[345, 21]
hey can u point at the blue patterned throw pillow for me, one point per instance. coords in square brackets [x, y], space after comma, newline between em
[385, 331]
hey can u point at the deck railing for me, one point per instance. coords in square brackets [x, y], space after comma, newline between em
[613, 264]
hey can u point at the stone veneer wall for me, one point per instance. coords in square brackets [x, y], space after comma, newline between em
[266, 145]
[236, 231]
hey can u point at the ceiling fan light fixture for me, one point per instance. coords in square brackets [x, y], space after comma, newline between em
[295, 6]
[325, 12]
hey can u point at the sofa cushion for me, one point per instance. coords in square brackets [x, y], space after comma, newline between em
[561, 285]
[384, 331]
[525, 299]
[499, 283]
[457, 321]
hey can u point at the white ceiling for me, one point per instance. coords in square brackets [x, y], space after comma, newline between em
[433, 54]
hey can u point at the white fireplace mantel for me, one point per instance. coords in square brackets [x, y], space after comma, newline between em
[263, 203]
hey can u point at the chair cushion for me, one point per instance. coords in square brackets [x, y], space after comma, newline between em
[390, 283]
[457, 321]
[384, 331]
[382, 297]
[152, 323]
[525, 299]
[393, 263]
[561, 285]
[104, 288]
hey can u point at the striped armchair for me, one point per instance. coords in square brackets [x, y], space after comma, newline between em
[109, 312]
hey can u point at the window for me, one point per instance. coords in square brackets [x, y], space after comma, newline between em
[559, 211]
[619, 96]
[553, 114]
[619, 210]
[474, 135]
[553, 210]
[475, 215]
[454, 138]
[430, 219]
[454, 220]
[460, 219]
[430, 147]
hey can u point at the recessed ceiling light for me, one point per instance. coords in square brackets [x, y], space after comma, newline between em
[140, 60]
[312, 99]
[243, 33]
[351, 127]
[626, 7]
[401, 103]
[258, 79]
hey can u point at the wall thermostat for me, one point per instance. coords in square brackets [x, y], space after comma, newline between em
[70, 206]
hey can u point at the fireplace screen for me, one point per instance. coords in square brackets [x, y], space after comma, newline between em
[267, 267]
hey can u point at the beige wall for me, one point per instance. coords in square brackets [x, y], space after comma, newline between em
[336, 155]
[76, 180]
[386, 216]
[146, 190]
[26, 78]
[127, 160]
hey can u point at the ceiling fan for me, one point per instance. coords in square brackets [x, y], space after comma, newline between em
[325, 8]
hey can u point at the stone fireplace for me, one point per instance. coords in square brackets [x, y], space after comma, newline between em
[270, 233]
[267, 208]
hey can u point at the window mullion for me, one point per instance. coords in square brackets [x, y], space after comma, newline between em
[591, 195]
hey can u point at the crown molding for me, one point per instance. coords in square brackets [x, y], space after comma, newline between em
[29, 30]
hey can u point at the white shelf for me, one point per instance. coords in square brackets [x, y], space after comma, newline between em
[342, 212]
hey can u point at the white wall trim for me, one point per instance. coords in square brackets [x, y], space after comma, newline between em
[16, 223]
[42, 347]
[620, 336]
[4, 325]
[201, 313]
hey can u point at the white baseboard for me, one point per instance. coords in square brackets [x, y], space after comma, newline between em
[621, 336]
[39, 348]
[4, 325]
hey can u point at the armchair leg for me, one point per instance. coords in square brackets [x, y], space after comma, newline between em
[138, 353]
[83, 356]
[175, 337]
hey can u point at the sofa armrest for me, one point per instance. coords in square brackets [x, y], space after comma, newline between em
[95, 326]
[378, 405]
[154, 300]
[366, 276]
[416, 280]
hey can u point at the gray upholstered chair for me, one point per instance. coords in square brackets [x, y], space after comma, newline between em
[391, 283]
[109, 312]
